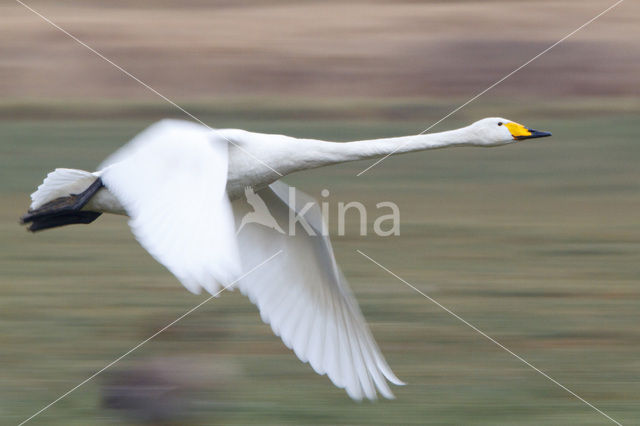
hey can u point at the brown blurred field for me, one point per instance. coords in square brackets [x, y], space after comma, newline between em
[223, 49]
[537, 244]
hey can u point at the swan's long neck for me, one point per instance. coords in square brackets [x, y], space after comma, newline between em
[287, 154]
[311, 153]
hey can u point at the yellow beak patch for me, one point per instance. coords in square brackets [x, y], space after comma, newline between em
[517, 130]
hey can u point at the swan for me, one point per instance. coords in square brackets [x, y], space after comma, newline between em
[181, 185]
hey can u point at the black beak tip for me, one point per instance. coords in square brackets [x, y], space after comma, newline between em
[539, 134]
[534, 134]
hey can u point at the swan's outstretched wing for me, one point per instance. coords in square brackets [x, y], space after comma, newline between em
[171, 179]
[307, 301]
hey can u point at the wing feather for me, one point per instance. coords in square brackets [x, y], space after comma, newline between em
[171, 180]
[304, 297]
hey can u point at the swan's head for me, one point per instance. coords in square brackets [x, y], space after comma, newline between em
[496, 131]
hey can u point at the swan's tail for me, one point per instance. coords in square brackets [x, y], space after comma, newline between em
[59, 199]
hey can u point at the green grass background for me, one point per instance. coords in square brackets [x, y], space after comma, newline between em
[537, 244]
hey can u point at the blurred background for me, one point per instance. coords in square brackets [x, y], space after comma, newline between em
[537, 244]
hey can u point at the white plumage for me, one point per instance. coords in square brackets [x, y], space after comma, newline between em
[181, 184]
[171, 181]
[304, 296]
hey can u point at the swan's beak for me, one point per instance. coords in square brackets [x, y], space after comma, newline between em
[519, 132]
[536, 134]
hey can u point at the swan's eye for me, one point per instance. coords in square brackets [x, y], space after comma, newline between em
[500, 123]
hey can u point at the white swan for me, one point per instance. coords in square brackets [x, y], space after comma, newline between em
[181, 185]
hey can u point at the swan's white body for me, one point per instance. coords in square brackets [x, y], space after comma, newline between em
[181, 185]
